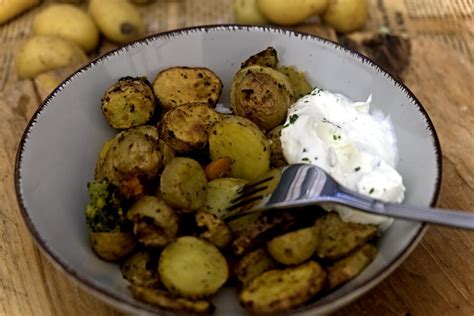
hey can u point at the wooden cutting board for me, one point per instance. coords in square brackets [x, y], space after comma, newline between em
[437, 279]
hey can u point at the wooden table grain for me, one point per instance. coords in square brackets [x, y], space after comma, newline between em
[436, 279]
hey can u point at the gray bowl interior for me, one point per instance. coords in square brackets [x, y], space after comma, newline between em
[59, 150]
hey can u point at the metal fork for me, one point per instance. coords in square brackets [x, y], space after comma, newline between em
[306, 184]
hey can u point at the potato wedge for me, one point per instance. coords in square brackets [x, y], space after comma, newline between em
[265, 58]
[220, 193]
[277, 159]
[214, 229]
[294, 247]
[280, 290]
[242, 141]
[113, 246]
[192, 268]
[184, 184]
[349, 267]
[186, 127]
[298, 80]
[171, 302]
[141, 269]
[253, 264]
[182, 85]
[338, 238]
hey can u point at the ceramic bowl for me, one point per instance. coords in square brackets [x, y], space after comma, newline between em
[58, 150]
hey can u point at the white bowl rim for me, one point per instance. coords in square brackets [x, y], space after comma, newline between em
[113, 299]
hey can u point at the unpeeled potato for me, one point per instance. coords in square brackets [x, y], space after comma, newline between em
[285, 12]
[247, 12]
[346, 15]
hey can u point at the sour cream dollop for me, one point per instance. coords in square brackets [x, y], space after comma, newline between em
[356, 147]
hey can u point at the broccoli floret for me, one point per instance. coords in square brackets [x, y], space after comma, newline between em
[104, 212]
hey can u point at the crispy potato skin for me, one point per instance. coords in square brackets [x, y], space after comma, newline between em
[277, 159]
[294, 247]
[243, 142]
[215, 230]
[129, 102]
[182, 85]
[338, 238]
[220, 193]
[184, 184]
[298, 80]
[112, 246]
[265, 58]
[172, 302]
[349, 267]
[254, 264]
[192, 268]
[141, 269]
[186, 127]
[155, 223]
[280, 290]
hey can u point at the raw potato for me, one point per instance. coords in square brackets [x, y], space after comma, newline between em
[247, 12]
[184, 184]
[253, 264]
[347, 15]
[192, 268]
[155, 223]
[284, 12]
[69, 22]
[42, 53]
[265, 58]
[171, 302]
[349, 267]
[128, 103]
[141, 269]
[112, 246]
[186, 127]
[338, 238]
[277, 291]
[242, 141]
[294, 247]
[214, 229]
[298, 80]
[183, 85]
[277, 159]
[11, 8]
[119, 20]
[262, 95]
[220, 193]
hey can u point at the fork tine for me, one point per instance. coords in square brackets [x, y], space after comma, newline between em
[243, 203]
[245, 193]
[251, 185]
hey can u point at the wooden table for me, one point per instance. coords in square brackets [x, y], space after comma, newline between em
[437, 278]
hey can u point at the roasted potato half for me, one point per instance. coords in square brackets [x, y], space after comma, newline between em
[262, 95]
[167, 153]
[141, 269]
[242, 141]
[184, 184]
[277, 291]
[192, 268]
[183, 85]
[265, 58]
[129, 102]
[171, 302]
[349, 267]
[214, 229]
[220, 193]
[154, 223]
[277, 159]
[294, 247]
[253, 264]
[338, 238]
[186, 127]
[113, 246]
[298, 81]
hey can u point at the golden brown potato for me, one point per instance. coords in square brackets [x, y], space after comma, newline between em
[349, 267]
[99, 173]
[220, 193]
[113, 246]
[298, 81]
[294, 247]
[171, 302]
[262, 95]
[214, 229]
[253, 264]
[242, 141]
[276, 291]
[183, 85]
[241, 224]
[338, 238]
[192, 268]
[184, 184]
[167, 153]
[154, 223]
[141, 269]
[277, 159]
[265, 58]
[129, 102]
[186, 127]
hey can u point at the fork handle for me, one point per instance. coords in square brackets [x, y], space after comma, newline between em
[460, 219]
